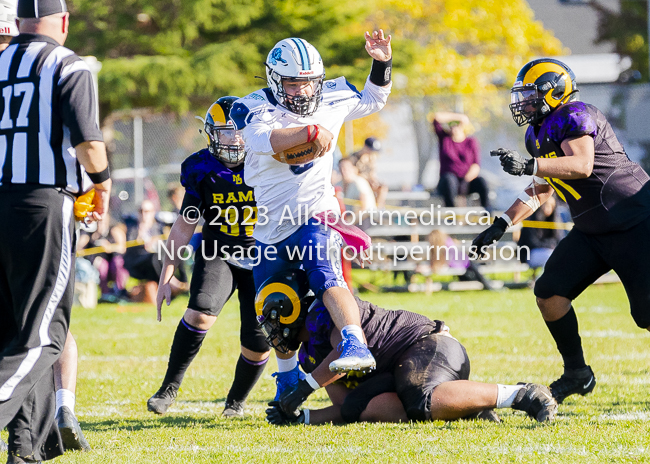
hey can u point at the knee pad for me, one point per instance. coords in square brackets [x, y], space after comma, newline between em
[204, 303]
[255, 342]
[542, 289]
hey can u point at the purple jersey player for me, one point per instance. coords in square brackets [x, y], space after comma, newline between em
[422, 371]
[215, 190]
[576, 154]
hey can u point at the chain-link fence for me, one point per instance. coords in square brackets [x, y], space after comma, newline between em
[146, 151]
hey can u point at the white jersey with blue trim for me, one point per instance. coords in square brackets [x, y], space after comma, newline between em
[285, 193]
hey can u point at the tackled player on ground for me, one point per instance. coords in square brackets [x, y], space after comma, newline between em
[422, 371]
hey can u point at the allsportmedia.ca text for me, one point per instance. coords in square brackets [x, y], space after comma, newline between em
[434, 215]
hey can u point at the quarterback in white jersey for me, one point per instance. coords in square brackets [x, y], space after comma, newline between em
[300, 107]
[281, 188]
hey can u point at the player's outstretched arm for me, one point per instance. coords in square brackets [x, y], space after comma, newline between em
[577, 164]
[527, 203]
[179, 235]
[530, 199]
[378, 45]
[379, 48]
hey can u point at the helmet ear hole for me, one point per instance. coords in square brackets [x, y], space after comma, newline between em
[560, 88]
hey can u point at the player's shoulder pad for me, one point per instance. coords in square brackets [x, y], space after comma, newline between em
[340, 84]
[529, 139]
[193, 160]
[253, 103]
[339, 90]
[194, 168]
[573, 119]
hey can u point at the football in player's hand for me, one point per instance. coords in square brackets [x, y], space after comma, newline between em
[300, 154]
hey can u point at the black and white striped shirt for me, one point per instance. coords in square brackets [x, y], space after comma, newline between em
[48, 108]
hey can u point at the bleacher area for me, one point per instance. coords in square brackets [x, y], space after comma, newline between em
[400, 242]
[400, 245]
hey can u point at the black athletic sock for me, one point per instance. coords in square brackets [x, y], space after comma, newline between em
[186, 344]
[566, 336]
[247, 373]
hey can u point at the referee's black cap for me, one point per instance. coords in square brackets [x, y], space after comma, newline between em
[40, 8]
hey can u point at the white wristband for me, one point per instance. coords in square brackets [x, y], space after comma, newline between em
[535, 167]
[532, 202]
[312, 382]
[506, 218]
[306, 413]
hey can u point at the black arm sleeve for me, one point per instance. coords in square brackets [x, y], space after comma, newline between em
[78, 105]
[191, 202]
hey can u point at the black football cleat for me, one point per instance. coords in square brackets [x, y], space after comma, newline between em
[573, 382]
[160, 402]
[71, 434]
[536, 401]
[234, 409]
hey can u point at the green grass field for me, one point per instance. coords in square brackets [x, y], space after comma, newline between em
[123, 355]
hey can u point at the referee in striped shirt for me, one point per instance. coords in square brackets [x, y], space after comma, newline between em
[51, 150]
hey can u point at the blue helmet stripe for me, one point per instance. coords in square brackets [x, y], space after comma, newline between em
[304, 56]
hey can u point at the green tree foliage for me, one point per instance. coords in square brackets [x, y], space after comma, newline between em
[180, 55]
[183, 54]
[469, 49]
[627, 29]
[472, 46]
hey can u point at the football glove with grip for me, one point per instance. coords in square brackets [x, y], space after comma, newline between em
[293, 397]
[275, 415]
[513, 163]
[489, 236]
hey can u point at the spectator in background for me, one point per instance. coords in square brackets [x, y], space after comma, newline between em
[110, 262]
[541, 241]
[175, 194]
[142, 260]
[459, 159]
[365, 160]
[356, 188]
